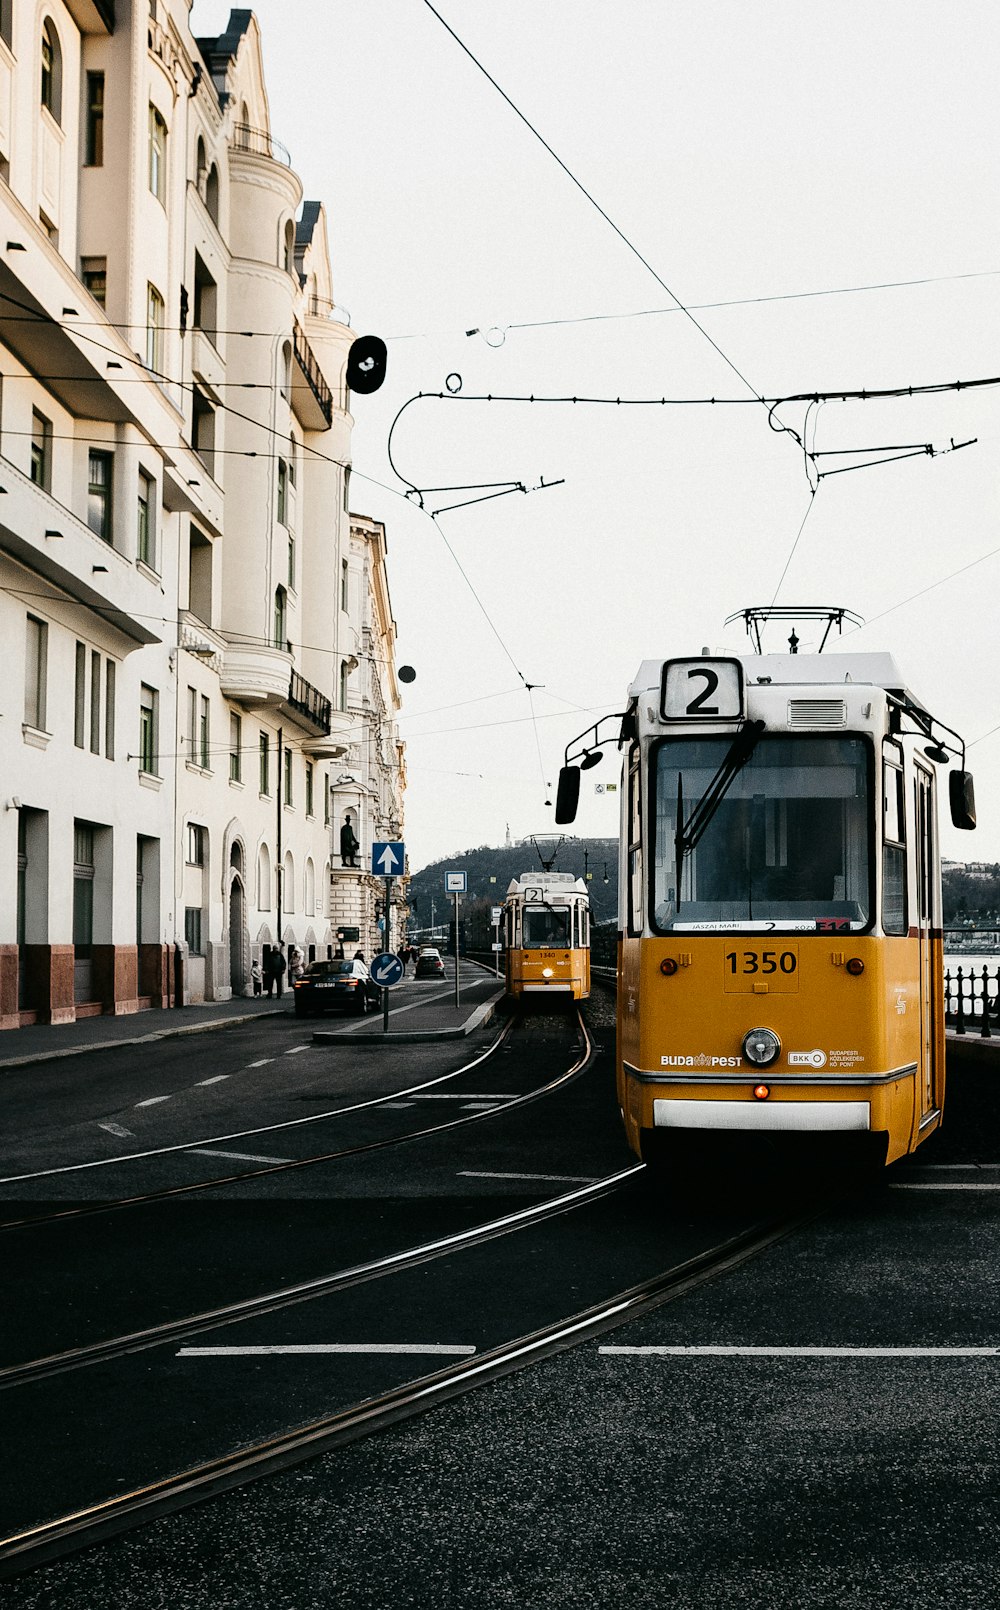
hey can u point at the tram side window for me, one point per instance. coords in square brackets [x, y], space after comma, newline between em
[635, 890]
[894, 850]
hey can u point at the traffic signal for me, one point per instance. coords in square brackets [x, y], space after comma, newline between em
[366, 363]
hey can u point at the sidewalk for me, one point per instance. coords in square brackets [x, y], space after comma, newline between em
[430, 1014]
[44, 1041]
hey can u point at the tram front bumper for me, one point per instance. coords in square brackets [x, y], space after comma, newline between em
[808, 1117]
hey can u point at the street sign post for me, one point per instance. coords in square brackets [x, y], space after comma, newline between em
[387, 971]
[455, 884]
[388, 859]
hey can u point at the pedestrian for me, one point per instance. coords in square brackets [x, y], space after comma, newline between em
[257, 975]
[404, 955]
[278, 969]
[295, 964]
[359, 955]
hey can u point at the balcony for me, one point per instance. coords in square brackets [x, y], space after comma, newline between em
[309, 705]
[313, 398]
[259, 143]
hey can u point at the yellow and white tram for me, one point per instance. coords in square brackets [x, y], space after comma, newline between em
[547, 931]
[780, 952]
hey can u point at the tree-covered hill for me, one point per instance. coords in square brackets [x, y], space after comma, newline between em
[490, 869]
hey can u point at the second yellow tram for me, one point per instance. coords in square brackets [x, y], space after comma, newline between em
[780, 958]
[547, 932]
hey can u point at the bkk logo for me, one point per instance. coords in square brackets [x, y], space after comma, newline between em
[807, 1059]
[701, 1061]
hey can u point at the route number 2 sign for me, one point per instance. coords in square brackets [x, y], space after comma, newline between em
[702, 690]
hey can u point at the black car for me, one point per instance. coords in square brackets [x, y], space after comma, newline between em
[429, 964]
[338, 985]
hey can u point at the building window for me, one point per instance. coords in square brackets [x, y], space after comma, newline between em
[41, 450]
[145, 521]
[147, 729]
[282, 492]
[154, 329]
[280, 618]
[206, 300]
[309, 789]
[192, 929]
[265, 763]
[83, 885]
[291, 563]
[288, 777]
[235, 748]
[196, 845]
[6, 21]
[343, 585]
[212, 193]
[94, 274]
[51, 85]
[203, 429]
[99, 493]
[204, 752]
[35, 669]
[109, 709]
[95, 702]
[94, 138]
[80, 696]
[344, 674]
[326, 801]
[157, 155]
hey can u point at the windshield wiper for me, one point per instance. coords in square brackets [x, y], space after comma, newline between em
[689, 833]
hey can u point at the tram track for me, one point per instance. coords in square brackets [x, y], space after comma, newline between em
[80, 1527]
[191, 1188]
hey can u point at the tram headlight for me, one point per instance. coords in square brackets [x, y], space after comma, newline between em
[546, 972]
[761, 1047]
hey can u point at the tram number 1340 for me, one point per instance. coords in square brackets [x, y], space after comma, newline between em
[764, 961]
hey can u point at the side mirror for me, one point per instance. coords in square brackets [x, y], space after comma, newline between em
[568, 795]
[962, 795]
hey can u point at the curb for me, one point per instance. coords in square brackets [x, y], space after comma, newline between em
[482, 1015]
[138, 1039]
[971, 1047]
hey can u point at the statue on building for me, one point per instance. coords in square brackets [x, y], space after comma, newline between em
[349, 844]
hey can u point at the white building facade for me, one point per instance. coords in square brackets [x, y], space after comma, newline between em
[174, 468]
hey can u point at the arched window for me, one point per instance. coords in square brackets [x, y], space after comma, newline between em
[280, 618]
[288, 253]
[200, 164]
[212, 193]
[51, 86]
[157, 155]
[286, 371]
[310, 888]
[288, 884]
[263, 879]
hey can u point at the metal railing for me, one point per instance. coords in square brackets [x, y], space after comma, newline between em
[260, 143]
[302, 696]
[306, 360]
[972, 999]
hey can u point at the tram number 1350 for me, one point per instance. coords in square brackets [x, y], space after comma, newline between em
[761, 961]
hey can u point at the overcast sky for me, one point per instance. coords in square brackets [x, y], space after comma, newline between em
[751, 151]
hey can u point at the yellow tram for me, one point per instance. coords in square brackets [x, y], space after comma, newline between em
[780, 952]
[547, 932]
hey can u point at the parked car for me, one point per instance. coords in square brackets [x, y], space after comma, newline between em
[338, 985]
[429, 963]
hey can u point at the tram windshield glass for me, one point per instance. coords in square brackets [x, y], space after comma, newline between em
[788, 845]
[546, 927]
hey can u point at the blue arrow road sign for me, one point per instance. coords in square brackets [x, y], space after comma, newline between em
[388, 860]
[386, 969]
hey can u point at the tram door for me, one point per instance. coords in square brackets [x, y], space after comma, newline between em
[926, 884]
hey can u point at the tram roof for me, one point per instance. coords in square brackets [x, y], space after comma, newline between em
[549, 883]
[791, 670]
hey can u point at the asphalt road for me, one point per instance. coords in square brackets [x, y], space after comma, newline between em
[815, 1428]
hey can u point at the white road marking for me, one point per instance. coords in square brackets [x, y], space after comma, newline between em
[152, 1101]
[395, 1106]
[479, 1106]
[261, 1064]
[460, 1095]
[216, 1079]
[939, 1168]
[945, 1185]
[116, 1129]
[430, 1349]
[293, 1050]
[566, 1179]
[806, 1352]
[241, 1157]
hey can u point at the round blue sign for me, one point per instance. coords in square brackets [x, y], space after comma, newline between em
[386, 969]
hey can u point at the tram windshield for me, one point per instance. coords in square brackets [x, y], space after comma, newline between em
[788, 846]
[546, 927]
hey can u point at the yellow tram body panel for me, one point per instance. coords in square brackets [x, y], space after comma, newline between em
[869, 1047]
[554, 972]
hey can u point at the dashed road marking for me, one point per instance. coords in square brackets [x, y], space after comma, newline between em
[241, 1157]
[460, 1095]
[216, 1079]
[480, 1106]
[559, 1179]
[293, 1050]
[395, 1106]
[945, 1185]
[261, 1064]
[431, 1349]
[804, 1352]
[152, 1101]
[116, 1129]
